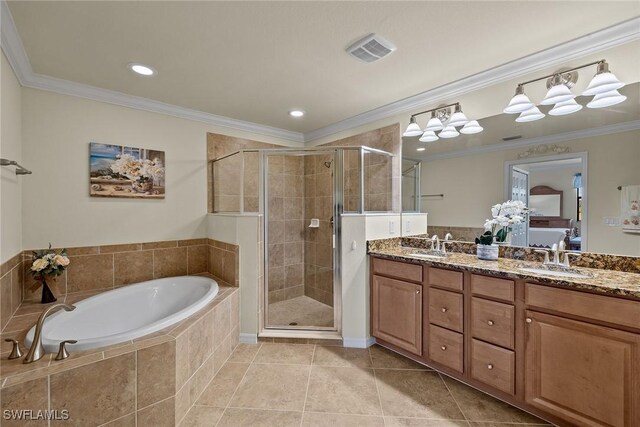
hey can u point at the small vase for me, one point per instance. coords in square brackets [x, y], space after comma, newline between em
[47, 295]
[487, 252]
[142, 186]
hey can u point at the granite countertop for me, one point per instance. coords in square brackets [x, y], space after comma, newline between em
[603, 281]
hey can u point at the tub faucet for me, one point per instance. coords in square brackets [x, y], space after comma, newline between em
[37, 349]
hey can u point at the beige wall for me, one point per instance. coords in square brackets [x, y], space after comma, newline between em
[10, 148]
[474, 183]
[57, 208]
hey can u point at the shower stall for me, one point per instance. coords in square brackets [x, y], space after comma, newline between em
[301, 195]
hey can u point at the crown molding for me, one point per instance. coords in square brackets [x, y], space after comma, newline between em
[16, 54]
[528, 142]
[616, 35]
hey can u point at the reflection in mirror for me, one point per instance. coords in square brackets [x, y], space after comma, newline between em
[586, 156]
[410, 185]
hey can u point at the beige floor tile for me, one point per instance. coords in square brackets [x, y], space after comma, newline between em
[384, 358]
[272, 387]
[234, 417]
[478, 406]
[245, 352]
[417, 394]
[317, 419]
[490, 424]
[342, 390]
[341, 356]
[219, 392]
[422, 422]
[297, 354]
[202, 416]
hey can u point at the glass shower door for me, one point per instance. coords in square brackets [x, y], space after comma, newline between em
[300, 209]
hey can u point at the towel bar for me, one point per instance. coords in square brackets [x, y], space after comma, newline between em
[20, 170]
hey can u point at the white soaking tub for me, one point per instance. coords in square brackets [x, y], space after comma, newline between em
[126, 313]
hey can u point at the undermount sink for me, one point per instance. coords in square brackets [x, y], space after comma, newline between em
[429, 256]
[555, 273]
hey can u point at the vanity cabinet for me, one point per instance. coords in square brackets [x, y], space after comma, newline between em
[396, 305]
[567, 355]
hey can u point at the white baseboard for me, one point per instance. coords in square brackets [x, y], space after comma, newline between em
[248, 338]
[358, 342]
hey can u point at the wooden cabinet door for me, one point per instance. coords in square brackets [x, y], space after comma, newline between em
[396, 313]
[585, 374]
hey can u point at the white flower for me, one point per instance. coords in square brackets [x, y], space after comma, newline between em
[61, 260]
[39, 264]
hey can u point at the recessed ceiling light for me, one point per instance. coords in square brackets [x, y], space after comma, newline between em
[296, 113]
[420, 149]
[142, 69]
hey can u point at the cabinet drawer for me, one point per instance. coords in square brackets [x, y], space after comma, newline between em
[446, 348]
[493, 322]
[493, 287]
[445, 278]
[598, 307]
[401, 270]
[493, 366]
[445, 309]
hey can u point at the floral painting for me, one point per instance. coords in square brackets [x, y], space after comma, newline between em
[118, 171]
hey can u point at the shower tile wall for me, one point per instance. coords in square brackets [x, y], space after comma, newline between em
[286, 227]
[318, 203]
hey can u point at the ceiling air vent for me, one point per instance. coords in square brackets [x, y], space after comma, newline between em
[371, 48]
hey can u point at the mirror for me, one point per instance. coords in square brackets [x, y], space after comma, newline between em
[579, 168]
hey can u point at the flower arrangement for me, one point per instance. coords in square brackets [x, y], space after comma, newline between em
[140, 171]
[48, 263]
[504, 216]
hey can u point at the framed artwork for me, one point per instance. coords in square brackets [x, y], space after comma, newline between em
[118, 171]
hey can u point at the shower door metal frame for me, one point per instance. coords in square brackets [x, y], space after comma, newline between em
[338, 203]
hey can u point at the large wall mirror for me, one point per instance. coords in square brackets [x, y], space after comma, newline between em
[571, 171]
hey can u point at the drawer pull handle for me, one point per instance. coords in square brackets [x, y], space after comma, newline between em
[443, 309]
[529, 320]
[489, 366]
[490, 323]
[443, 348]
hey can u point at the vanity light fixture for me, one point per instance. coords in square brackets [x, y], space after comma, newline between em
[442, 122]
[603, 87]
[143, 70]
[530, 115]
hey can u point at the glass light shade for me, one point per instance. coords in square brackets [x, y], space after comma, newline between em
[420, 149]
[448, 132]
[457, 119]
[530, 115]
[434, 124]
[518, 104]
[413, 129]
[558, 93]
[577, 180]
[601, 83]
[428, 136]
[472, 127]
[565, 107]
[606, 99]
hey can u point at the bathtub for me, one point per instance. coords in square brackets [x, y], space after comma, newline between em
[126, 313]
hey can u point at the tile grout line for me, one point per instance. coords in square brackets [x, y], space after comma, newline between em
[306, 394]
[453, 397]
[239, 382]
[375, 381]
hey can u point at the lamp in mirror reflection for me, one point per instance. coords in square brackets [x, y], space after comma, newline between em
[530, 115]
[603, 87]
[443, 122]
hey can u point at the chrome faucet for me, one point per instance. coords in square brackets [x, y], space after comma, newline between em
[566, 260]
[448, 236]
[435, 239]
[37, 349]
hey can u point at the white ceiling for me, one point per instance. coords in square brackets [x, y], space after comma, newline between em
[254, 61]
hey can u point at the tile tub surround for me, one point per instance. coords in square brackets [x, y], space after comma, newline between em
[601, 281]
[322, 385]
[95, 268]
[152, 380]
